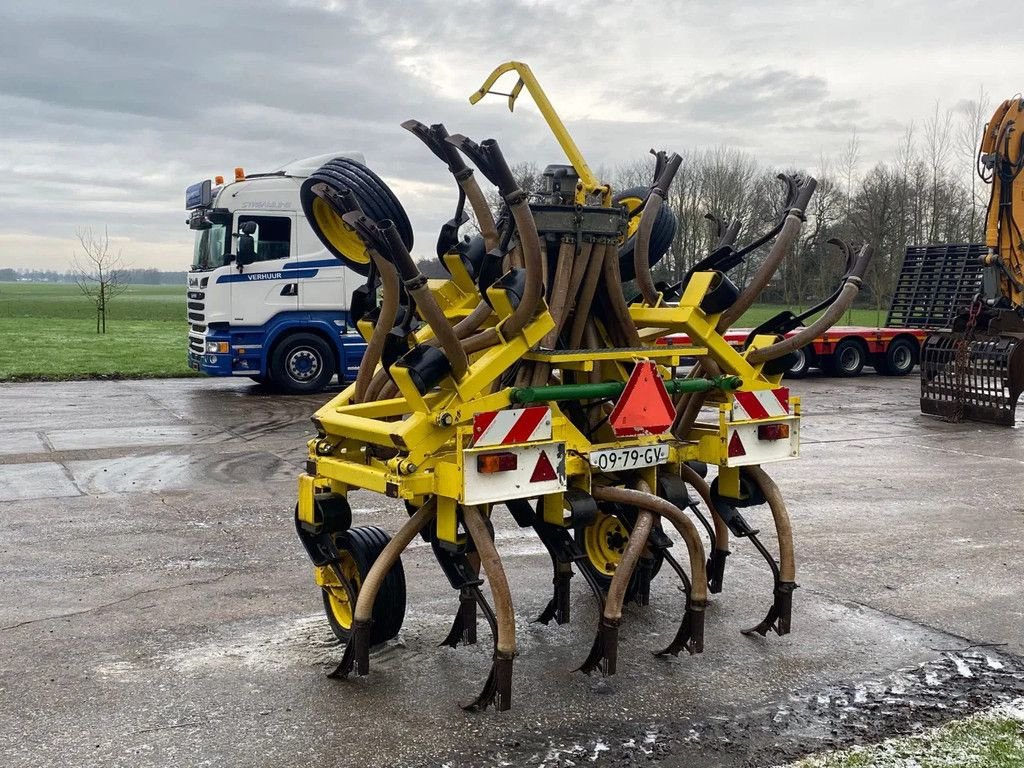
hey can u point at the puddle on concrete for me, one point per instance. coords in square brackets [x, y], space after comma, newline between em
[118, 437]
[172, 471]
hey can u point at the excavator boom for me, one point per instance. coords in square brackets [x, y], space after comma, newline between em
[975, 370]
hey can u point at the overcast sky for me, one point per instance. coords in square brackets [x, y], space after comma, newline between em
[109, 110]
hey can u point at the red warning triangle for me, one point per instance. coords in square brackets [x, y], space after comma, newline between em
[644, 408]
[544, 470]
[736, 446]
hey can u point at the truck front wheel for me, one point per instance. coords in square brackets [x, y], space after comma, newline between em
[302, 362]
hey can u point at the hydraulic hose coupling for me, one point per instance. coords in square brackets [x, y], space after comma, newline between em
[665, 169]
[487, 157]
[803, 197]
[436, 139]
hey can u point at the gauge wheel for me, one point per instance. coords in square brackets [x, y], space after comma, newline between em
[302, 363]
[661, 236]
[603, 541]
[358, 549]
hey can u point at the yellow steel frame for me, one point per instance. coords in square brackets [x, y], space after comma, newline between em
[589, 183]
[412, 446]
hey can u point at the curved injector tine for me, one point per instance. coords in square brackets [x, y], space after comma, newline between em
[667, 167]
[716, 560]
[498, 688]
[780, 614]
[385, 322]
[357, 652]
[435, 137]
[604, 651]
[787, 236]
[849, 291]
[690, 635]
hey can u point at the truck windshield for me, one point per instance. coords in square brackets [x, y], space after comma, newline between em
[211, 249]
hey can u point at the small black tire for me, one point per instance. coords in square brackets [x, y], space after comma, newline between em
[802, 365]
[900, 357]
[302, 363]
[609, 534]
[661, 236]
[848, 358]
[360, 547]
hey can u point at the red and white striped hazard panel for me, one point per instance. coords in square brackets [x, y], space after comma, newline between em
[762, 404]
[512, 426]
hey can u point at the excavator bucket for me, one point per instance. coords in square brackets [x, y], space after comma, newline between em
[974, 377]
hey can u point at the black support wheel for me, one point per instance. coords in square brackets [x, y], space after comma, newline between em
[302, 363]
[848, 358]
[603, 542]
[900, 357]
[359, 548]
[661, 236]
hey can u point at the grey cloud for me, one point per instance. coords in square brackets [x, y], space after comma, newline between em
[108, 110]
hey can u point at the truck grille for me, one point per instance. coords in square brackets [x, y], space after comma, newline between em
[197, 321]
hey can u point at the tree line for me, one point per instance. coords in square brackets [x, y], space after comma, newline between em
[132, 276]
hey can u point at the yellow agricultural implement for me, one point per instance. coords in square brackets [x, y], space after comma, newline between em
[527, 381]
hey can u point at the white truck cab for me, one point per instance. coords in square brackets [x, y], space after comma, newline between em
[276, 308]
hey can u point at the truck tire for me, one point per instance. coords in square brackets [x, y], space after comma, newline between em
[848, 358]
[661, 236]
[359, 549]
[800, 368]
[302, 363]
[899, 359]
[375, 198]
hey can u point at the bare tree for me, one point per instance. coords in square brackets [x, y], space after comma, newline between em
[973, 115]
[937, 131]
[99, 273]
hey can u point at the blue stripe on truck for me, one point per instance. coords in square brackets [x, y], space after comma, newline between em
[246, 277]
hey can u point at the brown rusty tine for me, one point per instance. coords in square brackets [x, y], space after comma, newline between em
[357, 651]
[498, 688]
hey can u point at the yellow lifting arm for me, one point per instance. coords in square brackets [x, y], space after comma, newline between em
[590, 184]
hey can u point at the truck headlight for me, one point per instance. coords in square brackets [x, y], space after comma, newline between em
[220, 347]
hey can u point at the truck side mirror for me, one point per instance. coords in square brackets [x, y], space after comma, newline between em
[246, 250]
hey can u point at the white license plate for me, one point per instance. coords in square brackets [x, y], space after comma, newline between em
[615, 459]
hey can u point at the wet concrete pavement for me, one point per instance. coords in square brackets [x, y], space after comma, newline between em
[156, 608]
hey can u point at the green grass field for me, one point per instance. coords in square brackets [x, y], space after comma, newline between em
[48, 331]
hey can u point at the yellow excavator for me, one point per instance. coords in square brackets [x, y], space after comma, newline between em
[975, 370]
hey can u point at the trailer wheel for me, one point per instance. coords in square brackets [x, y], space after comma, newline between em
[603, 541]
[900, 358]
[661, 236]
[848, 358]
[358, 549]
[801, 366]
[302, 363]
